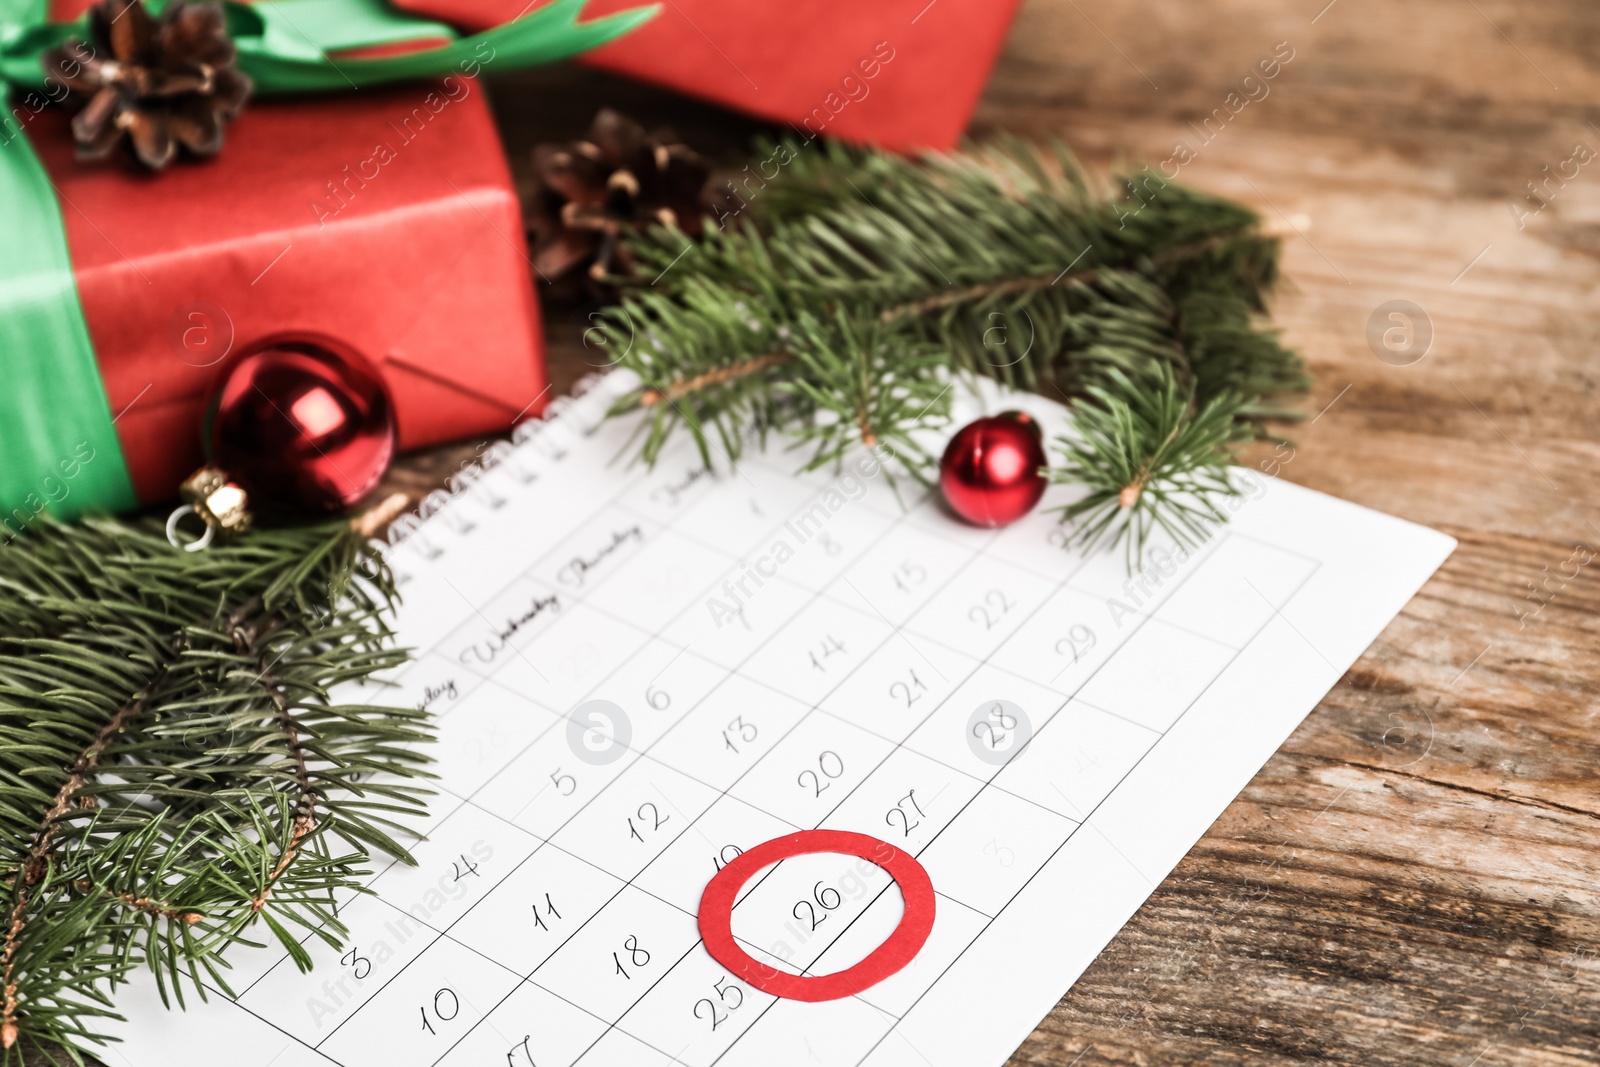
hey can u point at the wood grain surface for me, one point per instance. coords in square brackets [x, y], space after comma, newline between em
[1415, 877]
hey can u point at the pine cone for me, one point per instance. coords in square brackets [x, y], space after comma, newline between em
[593, 192]
[161, 82]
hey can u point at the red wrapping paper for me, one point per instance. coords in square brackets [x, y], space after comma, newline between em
[385, 220]
[902, 74]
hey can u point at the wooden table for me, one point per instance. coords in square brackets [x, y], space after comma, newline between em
[1413, 877]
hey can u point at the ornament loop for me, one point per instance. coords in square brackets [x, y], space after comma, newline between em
[172, 530]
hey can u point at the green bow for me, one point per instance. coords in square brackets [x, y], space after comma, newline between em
[285, 45]
[58, 441]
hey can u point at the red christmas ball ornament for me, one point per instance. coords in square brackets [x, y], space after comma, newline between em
[301, 428]
[990, 470]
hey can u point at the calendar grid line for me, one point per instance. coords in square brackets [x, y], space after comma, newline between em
[703, 543]
[582, 808]
[1065, 583]
[613, 501]
[842, 602]
[490, 678]
[815, 595]
[1176, 626]
[1090, 814]
[551, 844]
[1020, 565]
[313, 933]
[1068, 696]
[543, 840]
[443, 640]
[529, 980]
[842, 599]
[733, 672]
[899, 745]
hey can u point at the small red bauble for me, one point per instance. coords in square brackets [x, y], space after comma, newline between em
[301, 428]
[990, 470]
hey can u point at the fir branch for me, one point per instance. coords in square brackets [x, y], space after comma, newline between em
[123, 843]
[144, 904]
[1147, 460]
[305, 809]
[848, 290]
[717, 376]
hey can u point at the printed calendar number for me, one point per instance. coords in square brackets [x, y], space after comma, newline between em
[1079, 639]
[911, 690]
[481, 748]
[828, 646]
[826, 898]
[520, 1054]
[549, 910]
[1003, 855]
[996, 727]
[1084, 759]
[446, 1006]
[998, 731]
[906, 815]
[359, 965]
[730, 996]
[909, 575]
[741, 730]
[636, 955]
[829, 766]
[650, 820]
[996, 606]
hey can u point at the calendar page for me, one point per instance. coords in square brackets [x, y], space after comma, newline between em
[639, 676]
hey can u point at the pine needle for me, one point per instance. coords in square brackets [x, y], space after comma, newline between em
[173, 777]
[1149, 461]
[846, 295]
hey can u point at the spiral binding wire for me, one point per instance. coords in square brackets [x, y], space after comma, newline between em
[544, 439]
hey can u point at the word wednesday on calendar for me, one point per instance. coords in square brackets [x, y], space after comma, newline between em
[744, 767]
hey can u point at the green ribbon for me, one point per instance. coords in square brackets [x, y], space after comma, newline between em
[58, 441]
[58, 444]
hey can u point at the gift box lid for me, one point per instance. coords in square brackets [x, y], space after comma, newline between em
[902, 74]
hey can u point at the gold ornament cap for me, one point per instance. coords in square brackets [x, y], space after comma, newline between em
[220, 503]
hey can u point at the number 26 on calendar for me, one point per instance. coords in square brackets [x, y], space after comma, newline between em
[827, 899]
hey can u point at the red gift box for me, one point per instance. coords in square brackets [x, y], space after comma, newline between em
[902, 74]
[384, 220]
